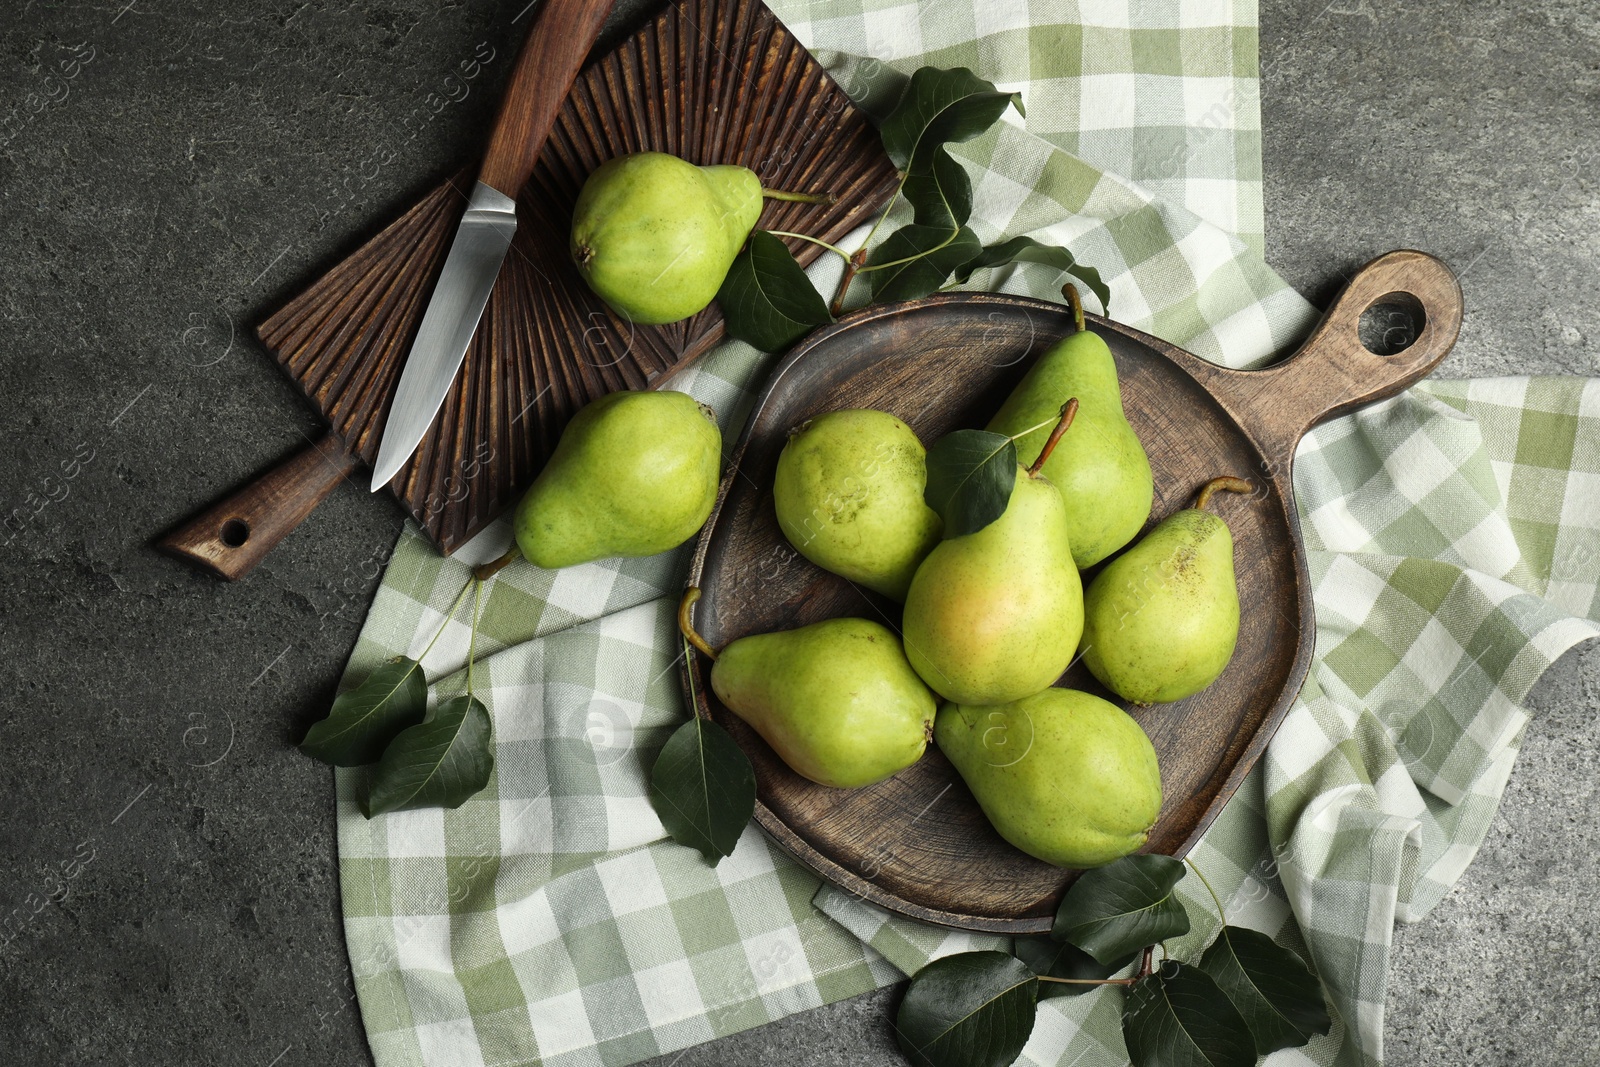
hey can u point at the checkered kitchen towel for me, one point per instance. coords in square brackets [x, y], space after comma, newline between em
[1454, 540]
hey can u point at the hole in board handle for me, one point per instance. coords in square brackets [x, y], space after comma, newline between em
[1391, 324]
[235, 532]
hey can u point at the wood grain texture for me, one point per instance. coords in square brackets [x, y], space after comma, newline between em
[713, 81]
[917, 843]
[230, 538]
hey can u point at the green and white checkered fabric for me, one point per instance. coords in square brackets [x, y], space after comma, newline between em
[1454, 540]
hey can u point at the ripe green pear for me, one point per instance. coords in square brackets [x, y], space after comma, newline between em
[635, 473]
[1162, 619]
[848, 495]
[1065, 776]
[836, 699]
[1100, 468]
[654, 235]
[994, 615]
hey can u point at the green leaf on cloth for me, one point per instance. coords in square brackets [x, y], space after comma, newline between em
[365, 719]
[1031, 251]
[440, 762]
[916, 260]
[972, 1009]
[1120, 908]
[939, 191]
[703, 788]
[767, 300]
[1272, 987]
[940, 106]
[1178, 1017]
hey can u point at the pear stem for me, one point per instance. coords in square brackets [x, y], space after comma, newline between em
[1074, 301]
[1069, 410]
[1228, 482]
[835, 249]
[799, 198]
[686, 626]
[483, 572]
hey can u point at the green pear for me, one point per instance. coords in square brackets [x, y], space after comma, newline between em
[1161, 620]
[635, 473]
[1065, 776]
[994, 615]
[848, 494]
[1101, 469]
[654, 235]
[836, 699]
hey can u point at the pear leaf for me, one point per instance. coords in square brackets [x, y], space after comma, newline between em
[1057, 959]
[1273, 989]
[939, 191]
[916, 260]
[365, 719]
[972, 1009]
[970, 477]
[1122, 907]
[438, 763]
[766, 299]
[1179, 1017]
[942, 106]
[703, 788]
[1030, 251]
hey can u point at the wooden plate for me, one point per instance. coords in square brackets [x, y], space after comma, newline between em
[917, 843]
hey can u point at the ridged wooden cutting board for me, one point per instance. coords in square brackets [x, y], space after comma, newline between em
[713, 81]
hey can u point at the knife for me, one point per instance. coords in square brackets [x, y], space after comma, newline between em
[564, 32]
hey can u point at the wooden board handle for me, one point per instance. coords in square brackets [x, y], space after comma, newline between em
[562, 34]
[1333, 372]
[230, 538]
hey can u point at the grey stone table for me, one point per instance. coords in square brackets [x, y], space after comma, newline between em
[167, 890]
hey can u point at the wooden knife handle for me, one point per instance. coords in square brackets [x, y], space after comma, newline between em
[562, 34]
[230, 538]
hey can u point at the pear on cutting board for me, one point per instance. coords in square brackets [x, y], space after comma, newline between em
[836, 700]
[848, 495]
[994, 615]
[1065, 776]
[654, 235]
[635, 473]
[1162, 619]
[1100, 468]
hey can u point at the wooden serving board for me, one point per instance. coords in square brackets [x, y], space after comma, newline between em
[917, 843]
[713, 81]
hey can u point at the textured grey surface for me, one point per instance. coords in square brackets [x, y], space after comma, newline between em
[167, 881]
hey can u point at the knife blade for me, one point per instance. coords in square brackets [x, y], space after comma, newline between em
[546, 67]
[457, 303]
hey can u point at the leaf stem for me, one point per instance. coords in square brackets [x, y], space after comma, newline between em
[835, 249]
[1087, 981]
[1069, 411]
[854, 264]
[447, 617]
[1214, 899]
[911, 259]
[686, 623]
[1232, 485]
[1145, 964]
[484, 571]
[799, 198]
[472, 641]
[1075, 301]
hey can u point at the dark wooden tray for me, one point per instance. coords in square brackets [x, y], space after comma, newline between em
[713, 81]
[917, 843]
